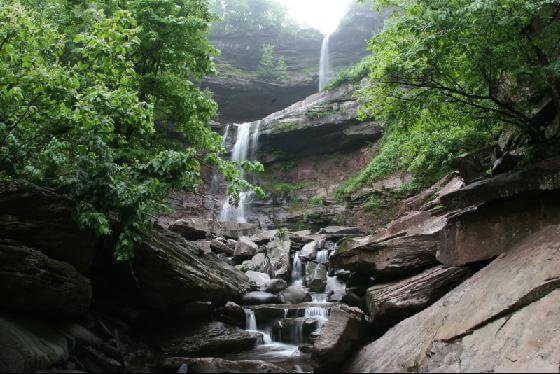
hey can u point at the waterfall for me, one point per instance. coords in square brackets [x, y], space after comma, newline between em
[245, 148]
[322, 256]
[250, 320]
[324, 65]
[297, 270]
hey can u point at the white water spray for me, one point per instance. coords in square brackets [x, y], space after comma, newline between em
[325, 73]
[297, 270]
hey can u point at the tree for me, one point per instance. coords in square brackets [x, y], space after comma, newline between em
[266, 68]
[489, 60]
[88, 99]
[281, 69]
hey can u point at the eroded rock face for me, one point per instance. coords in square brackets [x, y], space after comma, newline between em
[218, 365]
[42, 219]
[34, 283]
[212, 338]
[245, 249]
[488, 323]
[171, 272]
[278, 252]
[316, 277]
[390, 259]
[262, 280]
[342, 333]
[232, 313]
[259, 263]
[390, 303]
[201, 228]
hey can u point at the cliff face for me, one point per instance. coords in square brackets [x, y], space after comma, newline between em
[243, 97]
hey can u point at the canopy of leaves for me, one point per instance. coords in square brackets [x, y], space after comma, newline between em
[270, 67]
[88, 100]
[442, 70]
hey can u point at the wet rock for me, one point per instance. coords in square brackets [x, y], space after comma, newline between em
[173, 272]
[200, 228]
[211, 338]
[390, 259]
[260, 297]
[264, 237]
[259, 263]
[488, 323]
[245, 249]
[276, 286]
[390, 303]
[232, 314]
[262, 280]
[43, 220]
[32, 282]
[218, 246]
[342, 274]
[218, 365]
[197, 310]
[352, 299]
[342, 333]
[309, 250]
[266, 314]
[293, 330]
[278, 252]
[295, 295]
[316, 277]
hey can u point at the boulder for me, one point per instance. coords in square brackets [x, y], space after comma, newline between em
[278, 252]
[259, 263]
[262, 280]
[309, 250]
[390, 259]
[263, 237]
[42, 219]
[339, 337]
[171, 272]
[316, 277]
[391, 303]
[503, 318]
[218, 246]
[217, 365]
[542, 176]
[484, 231]
[232, 314]
[34, 283]
[245, 249]
[211, 338]
[295, 295]
[276, 286]
[200, 228]
[260, 297]
[196, 310]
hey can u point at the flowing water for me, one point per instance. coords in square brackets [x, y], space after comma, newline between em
[245, 148]
[325, 73]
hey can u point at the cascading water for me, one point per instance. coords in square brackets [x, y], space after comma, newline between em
[322, 257]
[245, 148]
[297, 270]
[325, 73]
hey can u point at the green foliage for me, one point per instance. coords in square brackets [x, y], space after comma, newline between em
[268, 69]
[371, 204]
[351, 75]
[88, 100]
[316, 201]
[282, 187]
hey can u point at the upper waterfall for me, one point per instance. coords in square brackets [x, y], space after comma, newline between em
[325, 73]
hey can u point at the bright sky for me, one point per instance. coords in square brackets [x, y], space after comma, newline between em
[323, 15]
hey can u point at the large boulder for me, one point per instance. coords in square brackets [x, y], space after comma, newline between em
[34, 283]
[339, 232]
[390, 303]
[217, 365]
[232, 313]
[316, 277]
[245, 249]
[262, 280]
[200, 228]
[295, 295]
[264, 237]
[211, 338]
[278, 252]
[259, 263]
[171, 272]
[503, 318]
[310, 249]
[390, 259]
[339, 337]
[260, 297]
[42, 219]
[220, 246]
[277, 285]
